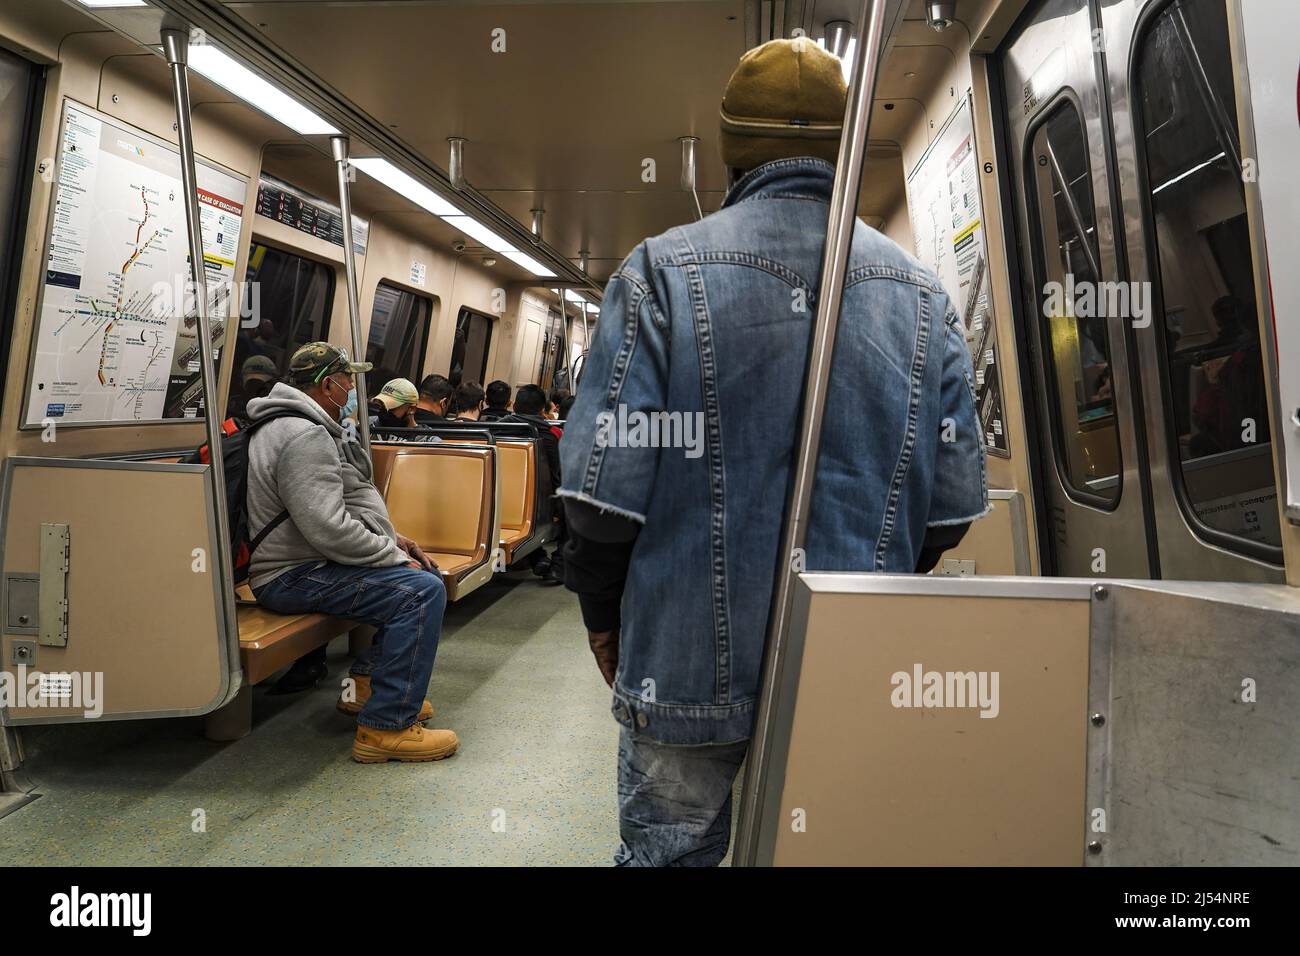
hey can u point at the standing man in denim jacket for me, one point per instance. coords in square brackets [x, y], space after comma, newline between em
[675, 479]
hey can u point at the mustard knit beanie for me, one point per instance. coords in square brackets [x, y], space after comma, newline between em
[785, 99]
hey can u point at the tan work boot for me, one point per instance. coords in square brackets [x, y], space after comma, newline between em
[353, 707]
[415, 743]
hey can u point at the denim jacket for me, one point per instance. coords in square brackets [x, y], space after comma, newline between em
[685, 423]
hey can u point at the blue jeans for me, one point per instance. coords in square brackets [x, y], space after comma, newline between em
[406, 606]
[674, 802]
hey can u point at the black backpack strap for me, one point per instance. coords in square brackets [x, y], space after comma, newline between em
[254, 425]
[270, 526]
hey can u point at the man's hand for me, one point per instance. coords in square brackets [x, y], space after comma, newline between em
[420, 559]
[604, 647]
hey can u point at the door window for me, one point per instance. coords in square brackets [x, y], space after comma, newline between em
[1186, 122]
[1075, 338]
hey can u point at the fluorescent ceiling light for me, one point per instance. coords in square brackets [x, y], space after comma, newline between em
[572, 296]
[405, 185]
[112, 3]
[227, 72]
[529, 264]
[476, 230]
[846, 63]
[1188, 173]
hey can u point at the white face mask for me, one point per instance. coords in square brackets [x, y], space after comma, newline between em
[342, 409]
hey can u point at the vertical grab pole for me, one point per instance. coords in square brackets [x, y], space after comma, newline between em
[339, 146]
[562, 347]
[839, 237]
[176, 48]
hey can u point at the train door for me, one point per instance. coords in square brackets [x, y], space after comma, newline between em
[554, 370]
[1077, 330]
[1170, 70]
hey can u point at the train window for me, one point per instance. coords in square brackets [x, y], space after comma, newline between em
[18, 109]
[1078, 373]
[399, 333]
[1214, 383]
[469, 353]
[290, 309]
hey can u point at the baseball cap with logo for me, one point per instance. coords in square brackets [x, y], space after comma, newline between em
[397, 392]
[315, 360]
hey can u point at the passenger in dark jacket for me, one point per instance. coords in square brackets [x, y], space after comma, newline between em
[434, 401]
[498, 401]
[530, 403]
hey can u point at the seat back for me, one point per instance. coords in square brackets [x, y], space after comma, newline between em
[444, 497]
[381, 457]
[518, 485]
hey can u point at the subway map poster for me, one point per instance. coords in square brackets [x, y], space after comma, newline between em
[117, 331]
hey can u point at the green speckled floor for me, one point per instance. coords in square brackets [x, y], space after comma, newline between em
[514, 679]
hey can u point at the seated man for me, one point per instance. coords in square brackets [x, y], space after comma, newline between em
[332, 549]
[498, 401]
[530, 406]
[467, 402]
[256, 376]
[394, 406]
[435, 400]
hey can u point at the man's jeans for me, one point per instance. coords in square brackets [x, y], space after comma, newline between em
[674, 802]
[406, 606]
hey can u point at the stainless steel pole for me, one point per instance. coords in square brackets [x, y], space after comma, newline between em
[561, 347]
[839, 238]
[176, 47]
[1072, 207]
[339, 146]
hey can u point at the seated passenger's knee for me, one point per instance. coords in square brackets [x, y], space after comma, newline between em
[431, 588]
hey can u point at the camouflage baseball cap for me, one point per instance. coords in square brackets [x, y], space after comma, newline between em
[315, 360]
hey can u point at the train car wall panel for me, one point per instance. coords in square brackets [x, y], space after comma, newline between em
[966, 700]
[1268, 109]
[943, 192]
[1202, 757]
[997, 544]
[144, 633]
[958, 76]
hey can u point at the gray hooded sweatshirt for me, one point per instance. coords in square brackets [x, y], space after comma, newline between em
[325, 483]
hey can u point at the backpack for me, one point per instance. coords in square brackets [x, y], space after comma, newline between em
[234, 453]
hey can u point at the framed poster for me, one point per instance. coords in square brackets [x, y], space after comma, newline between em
[943, 203]
[116, 330]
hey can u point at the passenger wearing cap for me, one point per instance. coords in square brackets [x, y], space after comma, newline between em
[395, 405]
[672, 473]
[256, 376]
[333, 549]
